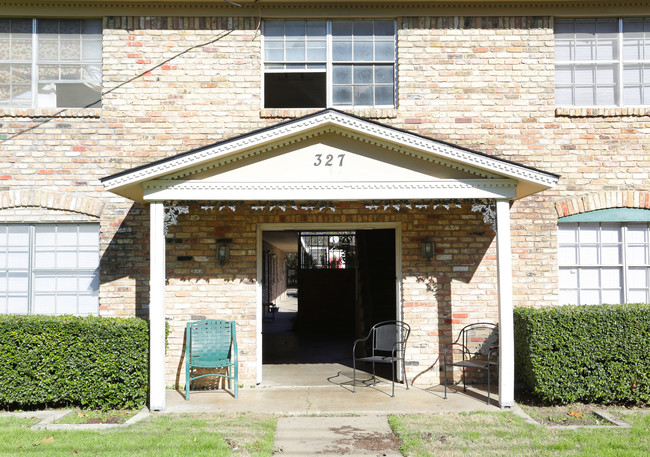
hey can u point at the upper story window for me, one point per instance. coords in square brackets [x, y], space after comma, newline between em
[602, 62]
[50, 63]
[319, 64]
[49, 269]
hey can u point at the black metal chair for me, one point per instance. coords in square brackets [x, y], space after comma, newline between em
[479, 345]
[386, 343]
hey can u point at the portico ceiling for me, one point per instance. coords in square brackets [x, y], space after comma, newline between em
[329, 155]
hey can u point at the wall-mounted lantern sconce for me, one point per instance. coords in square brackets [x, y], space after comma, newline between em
[223, 250]
[427, 249]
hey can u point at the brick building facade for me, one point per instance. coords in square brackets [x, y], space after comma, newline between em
[184, 77]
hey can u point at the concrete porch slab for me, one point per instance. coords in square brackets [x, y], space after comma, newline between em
[330, 400]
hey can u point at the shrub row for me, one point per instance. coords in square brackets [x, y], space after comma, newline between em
[91, 362]
[598, 354]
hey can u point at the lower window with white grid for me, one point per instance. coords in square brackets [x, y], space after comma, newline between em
[604, 262]
[49, 269]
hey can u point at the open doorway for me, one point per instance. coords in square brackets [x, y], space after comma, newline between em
[322, 289]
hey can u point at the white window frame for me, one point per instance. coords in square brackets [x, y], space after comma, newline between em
[36, 61]
[33, 273]
[619, 62]
[625, 266]
[329, 63]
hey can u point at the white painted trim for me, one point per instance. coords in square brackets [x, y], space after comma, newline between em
[506, 326]
[341, 123]
[399, 310]
[404, 190]
[265, 227]
[157, 367]
[424, 156]
[259, 320]
[270, 226]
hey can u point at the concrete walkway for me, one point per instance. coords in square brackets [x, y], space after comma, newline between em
[330, 420]
[335, 436]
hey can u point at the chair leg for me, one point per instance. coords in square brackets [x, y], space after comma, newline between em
[444, 375]
[406, 381]
[488, 374]
[187, 384]
[236, 380]
[354, 376]
[392, 366]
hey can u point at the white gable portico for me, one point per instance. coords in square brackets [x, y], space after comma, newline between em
[328, 156]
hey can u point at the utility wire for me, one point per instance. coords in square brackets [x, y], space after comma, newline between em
[59, 113]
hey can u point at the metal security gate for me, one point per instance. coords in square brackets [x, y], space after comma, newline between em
[327, 250]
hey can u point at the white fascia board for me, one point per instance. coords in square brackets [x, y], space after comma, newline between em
[300, 127]
[443, 150]
[443, 189]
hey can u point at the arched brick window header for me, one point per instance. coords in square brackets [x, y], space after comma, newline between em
[603, 200]
[51, 200]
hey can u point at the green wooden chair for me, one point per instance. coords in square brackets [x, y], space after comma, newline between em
[211, 344]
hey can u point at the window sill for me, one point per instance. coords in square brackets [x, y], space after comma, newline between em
[51, 112]
[290, 113]
[596, 111]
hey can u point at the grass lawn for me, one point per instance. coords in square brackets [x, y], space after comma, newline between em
[499, 434]
[440, 435]
[159, 436]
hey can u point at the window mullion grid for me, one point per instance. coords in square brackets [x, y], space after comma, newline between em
[619, 64]
[34, 64]
[579, 263]
[645, 60]
[646, 260]
[30, 269]
[600, 262]
[624, 261]
[329, 67]
[263, 65]
[395, 58]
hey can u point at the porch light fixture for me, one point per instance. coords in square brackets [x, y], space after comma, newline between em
[427, 249]
[223, 250]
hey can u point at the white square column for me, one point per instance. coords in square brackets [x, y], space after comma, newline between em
[506, 326]
[157, 307]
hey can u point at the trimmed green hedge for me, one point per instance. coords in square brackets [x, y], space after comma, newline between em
[598, 354]
[91, 362]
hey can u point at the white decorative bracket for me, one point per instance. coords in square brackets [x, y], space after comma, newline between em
[171, 214]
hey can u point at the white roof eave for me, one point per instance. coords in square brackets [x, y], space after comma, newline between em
[129, 183]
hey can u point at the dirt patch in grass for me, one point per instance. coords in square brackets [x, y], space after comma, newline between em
[360, 440]
[18, 421]
[245, 433]
[574, 414]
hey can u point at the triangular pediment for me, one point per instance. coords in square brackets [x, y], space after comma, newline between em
[329, 155]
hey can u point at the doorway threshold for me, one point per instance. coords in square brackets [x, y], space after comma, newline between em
[306, 375]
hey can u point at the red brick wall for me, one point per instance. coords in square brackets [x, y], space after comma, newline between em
[174, 84]
[455, 287]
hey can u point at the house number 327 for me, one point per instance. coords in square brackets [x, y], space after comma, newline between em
[328, 160]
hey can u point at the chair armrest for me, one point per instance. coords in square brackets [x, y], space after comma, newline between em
[451, 346]
[493, 350]
[354, 346]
